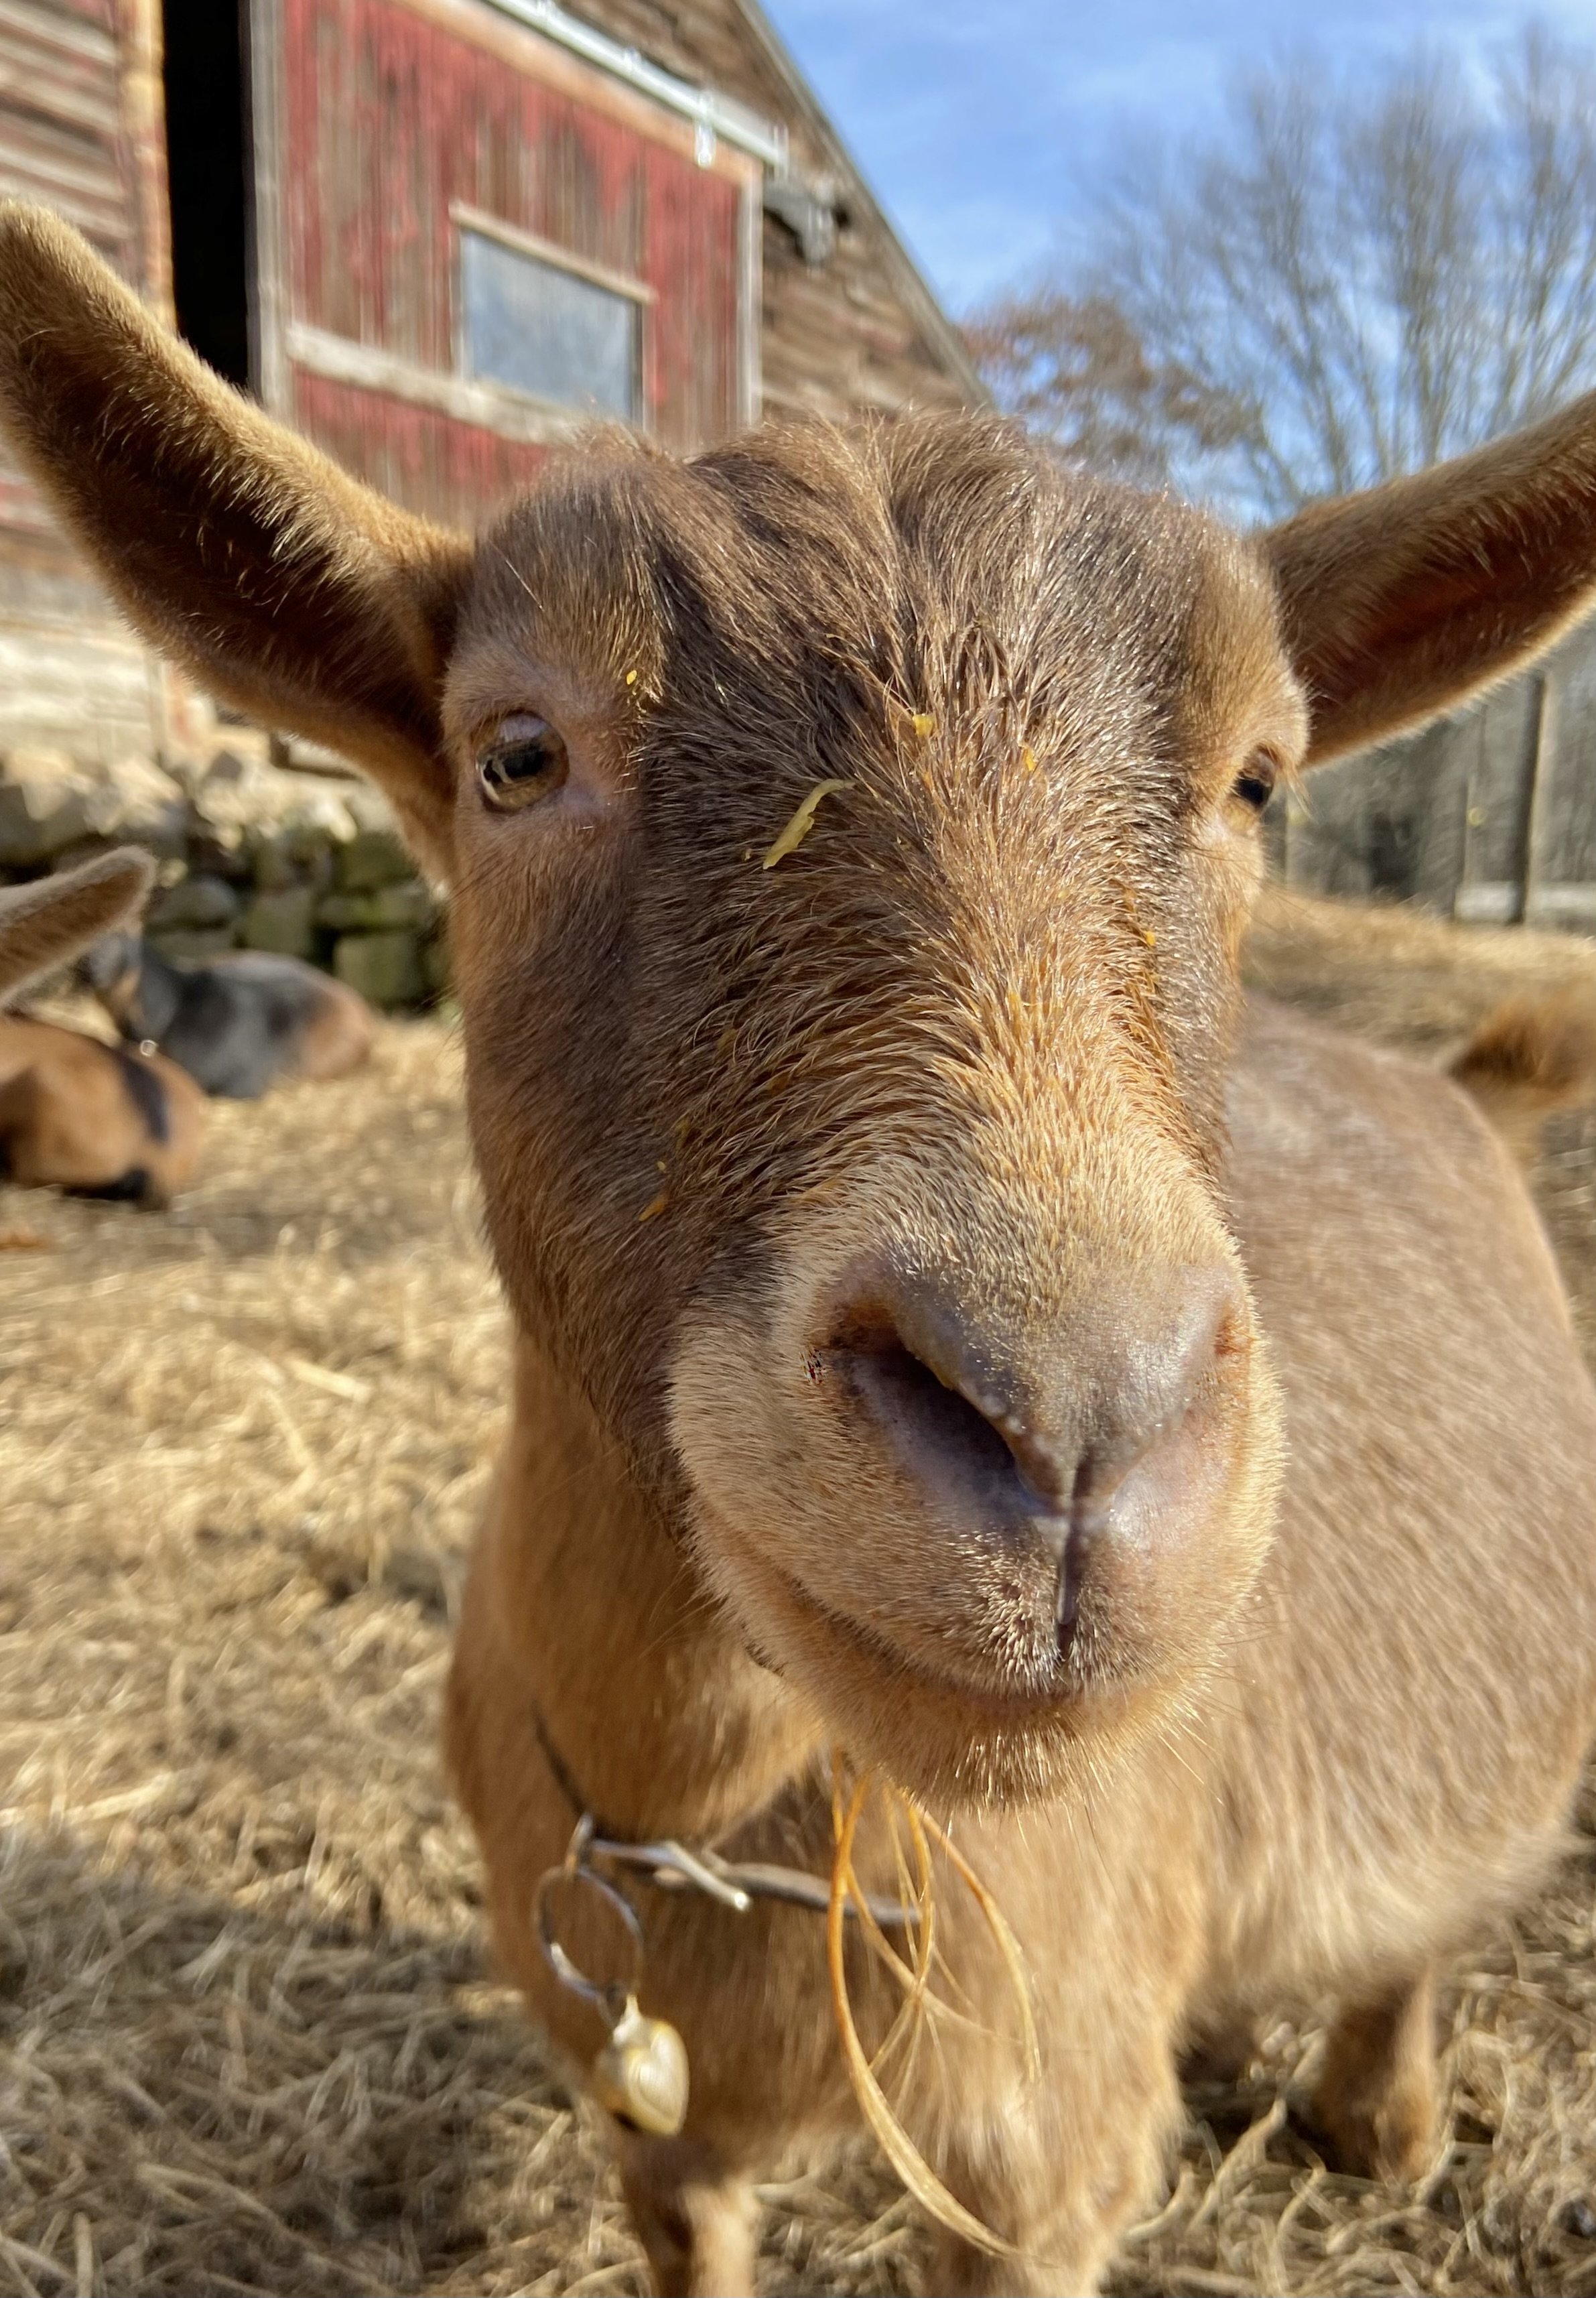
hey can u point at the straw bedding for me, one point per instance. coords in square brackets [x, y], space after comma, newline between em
[248, 2037]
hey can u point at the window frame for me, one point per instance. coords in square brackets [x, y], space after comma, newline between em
[463, 218]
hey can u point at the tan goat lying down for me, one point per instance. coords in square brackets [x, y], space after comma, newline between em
[951, 1325]
[74, 1114]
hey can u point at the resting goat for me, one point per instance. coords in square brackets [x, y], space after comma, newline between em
[953, 1324]
[75, 1115]
[239, 1024]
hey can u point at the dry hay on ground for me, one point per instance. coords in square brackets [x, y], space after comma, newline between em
[247, 2038]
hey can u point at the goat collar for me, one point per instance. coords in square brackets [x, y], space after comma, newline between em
[671, 1866]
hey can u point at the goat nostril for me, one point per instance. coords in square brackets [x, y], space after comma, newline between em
[1065, 1445]
[933, 1422]
[906, 1362]
[955, 1426]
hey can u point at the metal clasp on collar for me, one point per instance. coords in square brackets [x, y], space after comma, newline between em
[641, 2074]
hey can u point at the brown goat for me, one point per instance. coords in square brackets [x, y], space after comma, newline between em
[74, 1114]
[951, 1325]
[1513, 1009]
[94, 1120]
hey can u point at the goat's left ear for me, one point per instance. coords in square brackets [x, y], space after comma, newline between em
[1400, 603]
[278, 581]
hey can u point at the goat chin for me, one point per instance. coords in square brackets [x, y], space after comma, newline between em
[938, 1738]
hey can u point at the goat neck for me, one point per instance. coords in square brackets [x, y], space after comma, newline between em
[666, 1723]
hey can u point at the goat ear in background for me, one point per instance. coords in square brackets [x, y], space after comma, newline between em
[1400, 603]
[278, 582]
[44, 924]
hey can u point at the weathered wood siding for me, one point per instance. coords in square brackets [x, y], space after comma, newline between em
[861, 330]
[395, 116]
[1489, 816]
[81, 130]
[65, 139]
[60, 118]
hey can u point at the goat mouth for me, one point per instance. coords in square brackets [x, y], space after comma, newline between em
[1001, 1738]
[933, 1732]
[1038, 1706]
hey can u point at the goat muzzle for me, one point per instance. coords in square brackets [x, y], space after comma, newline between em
[1100, 1431]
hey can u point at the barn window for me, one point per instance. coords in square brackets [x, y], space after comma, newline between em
[536, 324]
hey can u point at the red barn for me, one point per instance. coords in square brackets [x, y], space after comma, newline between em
[437, 235]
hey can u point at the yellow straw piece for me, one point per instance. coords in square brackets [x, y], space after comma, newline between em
[654, 1206]
[631, 678]
[923, 723]
[894, 2140]
[1008, 1945]
[1028, 758]
[798, 828]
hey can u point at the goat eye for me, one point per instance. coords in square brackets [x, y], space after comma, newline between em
[1255, 785]
[525, 761]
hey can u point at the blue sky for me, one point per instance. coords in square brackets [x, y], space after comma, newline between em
[977, 125]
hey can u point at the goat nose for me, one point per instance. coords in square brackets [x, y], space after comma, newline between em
[1041, 1434]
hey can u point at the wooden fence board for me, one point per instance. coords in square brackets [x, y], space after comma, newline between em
[1489, 816]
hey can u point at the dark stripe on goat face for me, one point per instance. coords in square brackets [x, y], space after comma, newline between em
[146, 1092]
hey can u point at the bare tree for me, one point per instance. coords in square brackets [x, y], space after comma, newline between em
[1077, 369]
[1357, 278]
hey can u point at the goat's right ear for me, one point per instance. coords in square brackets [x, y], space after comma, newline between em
[278, 582]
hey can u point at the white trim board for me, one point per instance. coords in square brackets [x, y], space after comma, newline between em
[488, 406]
[712, 115]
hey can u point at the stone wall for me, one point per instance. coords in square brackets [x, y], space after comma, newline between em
[260, 847]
